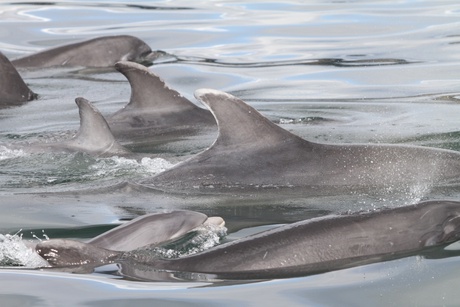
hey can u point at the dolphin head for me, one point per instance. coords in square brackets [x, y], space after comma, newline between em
[442, 222]
[137, 50]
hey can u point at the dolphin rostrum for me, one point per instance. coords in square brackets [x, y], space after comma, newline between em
[102, 51]
[13, 90]
[310, 246]
[146, 230]
[154, 108]
[252, 153]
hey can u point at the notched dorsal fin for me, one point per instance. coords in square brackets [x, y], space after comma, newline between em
[149, 229]
[240, 123]
[148, 91]
[13, 90]
[94, 135]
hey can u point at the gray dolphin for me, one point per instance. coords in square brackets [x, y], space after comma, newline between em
[253, 154]
[93, 137]
[13, 90]
[97, 52]
[326, 243]
[310, 246]
[147, 230]
[154, 109]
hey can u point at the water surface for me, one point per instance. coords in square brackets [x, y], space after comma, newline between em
[329, 71]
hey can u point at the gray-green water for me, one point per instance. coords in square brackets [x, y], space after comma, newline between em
[330, 71]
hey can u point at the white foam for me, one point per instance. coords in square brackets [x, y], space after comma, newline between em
[119, 166]
[15, 252]
[156, 165]
[7, 153]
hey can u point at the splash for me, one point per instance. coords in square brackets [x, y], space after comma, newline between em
[390, 197]
[198, 240]
[15, 252]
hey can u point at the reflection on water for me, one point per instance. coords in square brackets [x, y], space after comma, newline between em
[329, 71]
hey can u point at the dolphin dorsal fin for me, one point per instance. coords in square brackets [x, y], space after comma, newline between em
[151, 229]
[94, 134]
[13, 90]
[240, 124]
[148, 91]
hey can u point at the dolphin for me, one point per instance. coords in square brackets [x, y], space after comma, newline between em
[154, 109]
[252, 154]
[310, 246]
[326, 243]
[102, 51]
[146, 230]
[93, 137]
[13, 89]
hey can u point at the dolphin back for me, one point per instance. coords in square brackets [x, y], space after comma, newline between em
[325, 243]
[102, 51]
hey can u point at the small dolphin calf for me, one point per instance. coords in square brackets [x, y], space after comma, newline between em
[310, 246]
[146, 230]
[13, 90]
[103, 51]
[252, 153]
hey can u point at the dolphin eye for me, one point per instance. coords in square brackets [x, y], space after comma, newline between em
[451, 229]
[431, 239]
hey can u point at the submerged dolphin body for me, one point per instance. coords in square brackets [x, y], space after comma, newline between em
[309, 246]
[146, 230]
[154, 109]
[98, 52]
[253, 154]
[93, 137]
[13, 90]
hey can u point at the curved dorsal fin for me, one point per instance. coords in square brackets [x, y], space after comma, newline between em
[148, 91]
[13, 90]
[94, 135]
[241, 124]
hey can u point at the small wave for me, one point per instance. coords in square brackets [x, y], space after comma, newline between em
[303, 120]
[15, 252]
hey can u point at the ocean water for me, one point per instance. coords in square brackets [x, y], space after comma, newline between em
[329, 71]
